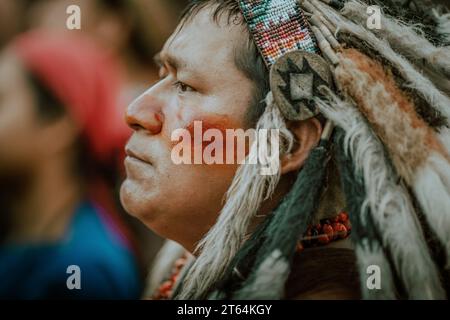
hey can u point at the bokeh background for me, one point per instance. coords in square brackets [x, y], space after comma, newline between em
[62, 98]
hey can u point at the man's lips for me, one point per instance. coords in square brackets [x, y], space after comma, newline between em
[135, 156]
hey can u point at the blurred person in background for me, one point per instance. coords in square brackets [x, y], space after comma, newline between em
[61, 137]
[12, 19]
[131, 30]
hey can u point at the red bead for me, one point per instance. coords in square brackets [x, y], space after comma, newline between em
[341, 231]
[323, 239]
[343, 216]
[166, 286]
[328, 230]
[318, 227]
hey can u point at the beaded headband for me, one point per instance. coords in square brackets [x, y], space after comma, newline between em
[285, 41]
[278, 27]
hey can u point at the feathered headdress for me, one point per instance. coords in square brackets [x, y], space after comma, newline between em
[386, 93]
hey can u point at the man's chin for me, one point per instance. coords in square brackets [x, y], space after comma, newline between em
[129, 197]
[136, 201]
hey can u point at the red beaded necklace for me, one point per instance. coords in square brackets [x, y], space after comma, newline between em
[326, 231]
[164, 291]
[322, 233]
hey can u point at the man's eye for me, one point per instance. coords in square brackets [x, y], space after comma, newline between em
[182, 87]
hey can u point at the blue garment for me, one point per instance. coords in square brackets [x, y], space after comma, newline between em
[108, 268]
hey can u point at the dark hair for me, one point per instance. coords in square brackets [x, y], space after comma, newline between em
[247, 57]
[126, 10]
[49, 108]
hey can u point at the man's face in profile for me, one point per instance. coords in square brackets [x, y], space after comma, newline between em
[199, 82]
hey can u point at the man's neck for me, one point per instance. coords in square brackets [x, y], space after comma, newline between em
[264, 211]
[44, 204]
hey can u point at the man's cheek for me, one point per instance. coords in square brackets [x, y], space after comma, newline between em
[208, 141]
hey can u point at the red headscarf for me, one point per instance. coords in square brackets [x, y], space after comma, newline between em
[85, 79]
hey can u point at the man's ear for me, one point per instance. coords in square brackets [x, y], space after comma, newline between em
[307, 135]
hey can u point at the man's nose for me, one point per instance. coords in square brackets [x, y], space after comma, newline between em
[145, 113]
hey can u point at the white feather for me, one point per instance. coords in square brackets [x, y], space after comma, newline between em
[270, 279]
[443, 27]
[389, 202]
[416, 80]
[369, 257]
[403, 38]
[444, 138]
[432, 189]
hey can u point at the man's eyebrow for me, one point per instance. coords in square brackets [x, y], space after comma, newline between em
[174, 61]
